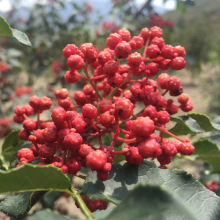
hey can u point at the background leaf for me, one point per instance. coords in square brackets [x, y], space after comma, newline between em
[7, 31]
[18, 205]
[193, 123]
[208, 151]
[124, 177]
[148, 202]
[11, 145]
[34, 178]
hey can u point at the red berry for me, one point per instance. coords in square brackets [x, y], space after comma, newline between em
[50, 134]
[84, 150]
[183, 98]
[151, 69]
[133, 156]
[71, 76]
[186, 107]
[106, 119]
[142, 126]
[58, 115]
[113, 40]
[110, 68]
[180, 51]
[125, 34]
[163, 80]
[105, 105]
[75, 62]
[177, 63]
[80, 98]
[138, 42]
[19, 110]
[159, 41]
[34, 102]
[29, 124]
[69, 50]
[72, 141]
[45, 103]
[96, 160]
[150, 111]
[145, 34]
[46, 151]
[123, 108]
[104, 56]
[101, 175]
[122, 50]
[89, 111]
[153, 51]
[25, 153]
[156, 32]
[167, 51]
[73, 165]
[186, 148]
[134, 59]
[149, 148]
[169, 148]
[174, 83]
[163, 117]
[28, 110]
[80, 125]
[23, 134]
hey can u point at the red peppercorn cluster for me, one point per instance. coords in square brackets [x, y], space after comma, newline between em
[117, 79]
[213, 185]
[94, 204]
[5, 126]
[159, 21]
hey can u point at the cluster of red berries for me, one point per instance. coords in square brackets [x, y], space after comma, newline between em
[5, 126]
[56, 67]
[3, 67]
[213, 185]
[118, 79]
[22, 90]
[94, 204]
[159, 21]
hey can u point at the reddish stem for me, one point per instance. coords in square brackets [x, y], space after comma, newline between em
[118, 61]
[145, 49]
[98, 77]
[90, 81]
[169, 133]
[165, 92]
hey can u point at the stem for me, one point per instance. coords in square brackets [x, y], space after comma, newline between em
[38, 119]
[112, 93]
[165, 92]
[186, 157]
[76, 196]
[167, 132]
[145, 49]
[91, 82]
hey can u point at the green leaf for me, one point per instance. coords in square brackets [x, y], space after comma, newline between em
[180, 6]
[47, 214]
[124, 177]
[7, 31]
[49, 198]
[18, 205]
[150, 202]
[193, 123]
[11, 145]
[30, 177]
[208, 151]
